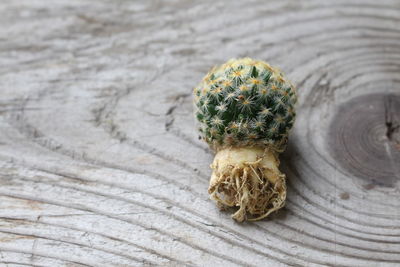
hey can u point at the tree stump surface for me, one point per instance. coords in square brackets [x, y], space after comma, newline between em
[100, 162]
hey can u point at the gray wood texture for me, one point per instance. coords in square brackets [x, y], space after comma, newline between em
[100, 164]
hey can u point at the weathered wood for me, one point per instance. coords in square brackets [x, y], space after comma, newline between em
[366, 138]
[100, 164]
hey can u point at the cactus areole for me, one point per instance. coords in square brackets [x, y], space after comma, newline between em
[245, 109]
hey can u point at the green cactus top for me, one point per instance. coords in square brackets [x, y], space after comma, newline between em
[245, 102]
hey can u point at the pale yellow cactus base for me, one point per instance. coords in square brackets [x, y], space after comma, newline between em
[247, 178]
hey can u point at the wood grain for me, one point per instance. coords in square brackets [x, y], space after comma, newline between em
[100, 163]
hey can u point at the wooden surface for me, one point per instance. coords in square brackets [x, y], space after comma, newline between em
[100, 164]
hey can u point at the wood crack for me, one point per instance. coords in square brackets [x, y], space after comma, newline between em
[392, 125]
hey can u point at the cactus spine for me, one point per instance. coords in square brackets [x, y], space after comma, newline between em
[245, 109]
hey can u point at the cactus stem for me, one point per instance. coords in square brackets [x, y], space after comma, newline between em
[248, 178]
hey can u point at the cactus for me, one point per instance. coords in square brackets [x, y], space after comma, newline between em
[245, 109]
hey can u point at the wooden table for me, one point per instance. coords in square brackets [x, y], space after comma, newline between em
[100, 164]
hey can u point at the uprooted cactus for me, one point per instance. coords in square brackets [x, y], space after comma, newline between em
[245, 109]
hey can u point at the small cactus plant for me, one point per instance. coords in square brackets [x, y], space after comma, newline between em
[245, 109]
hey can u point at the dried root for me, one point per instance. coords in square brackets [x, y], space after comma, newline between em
[247, 178]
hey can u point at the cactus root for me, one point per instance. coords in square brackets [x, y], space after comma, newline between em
[247, 178]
